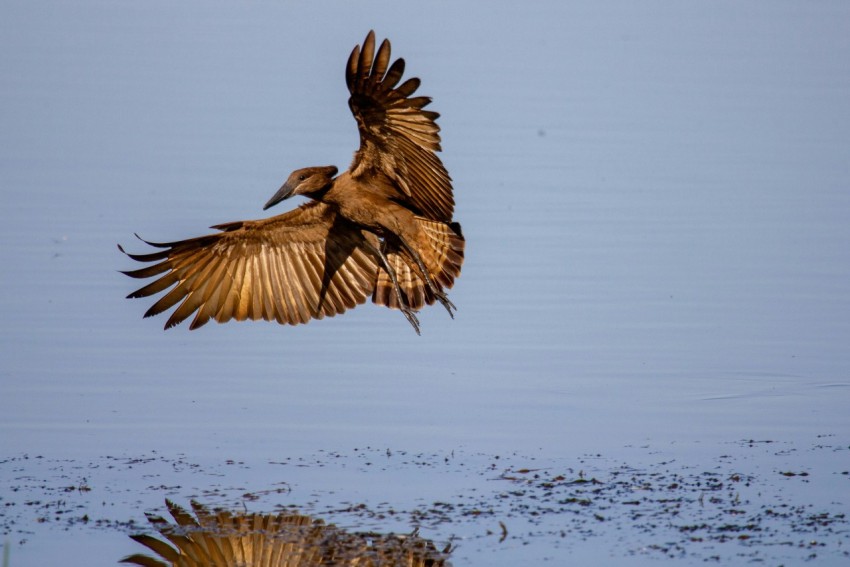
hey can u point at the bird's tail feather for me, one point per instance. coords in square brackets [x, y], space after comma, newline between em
[441, 248]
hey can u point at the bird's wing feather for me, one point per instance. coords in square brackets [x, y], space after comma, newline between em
[398, 139]
[305, 264]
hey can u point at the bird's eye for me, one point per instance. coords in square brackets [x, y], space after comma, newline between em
[301, 178]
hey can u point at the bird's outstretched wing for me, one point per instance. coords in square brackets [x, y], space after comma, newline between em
[398, 139]
[305, 264]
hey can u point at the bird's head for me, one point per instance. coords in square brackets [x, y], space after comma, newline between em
[303, 182]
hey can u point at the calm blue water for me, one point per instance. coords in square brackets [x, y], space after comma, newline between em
[656, 200]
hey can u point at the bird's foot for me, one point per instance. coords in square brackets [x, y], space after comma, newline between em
[445, 302]
[411, 318]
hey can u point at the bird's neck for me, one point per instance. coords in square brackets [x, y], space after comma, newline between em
[319, 194]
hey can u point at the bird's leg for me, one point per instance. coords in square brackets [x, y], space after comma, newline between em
[408, 312]
[438, 293]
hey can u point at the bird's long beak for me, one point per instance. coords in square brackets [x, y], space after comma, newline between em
[283, 193]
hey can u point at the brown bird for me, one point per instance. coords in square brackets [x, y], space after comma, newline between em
[383, 228]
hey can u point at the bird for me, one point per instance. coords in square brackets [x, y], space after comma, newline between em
[383, 228]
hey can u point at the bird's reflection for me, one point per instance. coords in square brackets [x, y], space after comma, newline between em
[222, 538]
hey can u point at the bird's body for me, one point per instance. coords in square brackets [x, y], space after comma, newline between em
[383, 228]
[366, 205]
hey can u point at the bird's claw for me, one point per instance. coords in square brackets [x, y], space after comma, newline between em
[412, 319]
[446, 302]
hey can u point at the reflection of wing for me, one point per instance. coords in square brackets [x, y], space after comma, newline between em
[397, 138]
[231, 539]
[306, 263]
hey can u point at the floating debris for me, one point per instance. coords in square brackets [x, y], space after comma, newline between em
[736, 504]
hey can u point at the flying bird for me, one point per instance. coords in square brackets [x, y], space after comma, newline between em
[383, 228]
